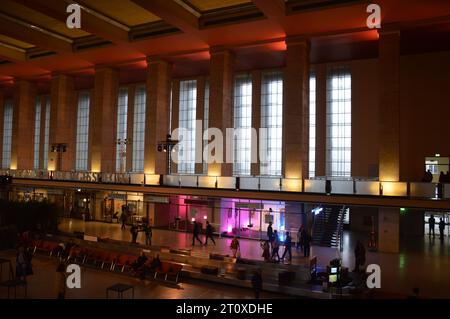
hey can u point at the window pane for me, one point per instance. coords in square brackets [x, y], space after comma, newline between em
[121, 146]
[339, 122]
[139, 129]
[187, 116]
[242, 124]
[82, 146]
[272, 123]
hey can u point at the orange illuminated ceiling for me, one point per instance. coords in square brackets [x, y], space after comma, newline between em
[34, 39]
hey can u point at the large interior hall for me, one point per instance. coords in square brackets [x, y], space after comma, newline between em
[225, 148]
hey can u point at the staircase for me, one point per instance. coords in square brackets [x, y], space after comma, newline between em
[328, 227]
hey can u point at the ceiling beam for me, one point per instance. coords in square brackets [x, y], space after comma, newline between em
[25, 31]
[91, 20]
[173, 13]
[11, 53]
[272, 9]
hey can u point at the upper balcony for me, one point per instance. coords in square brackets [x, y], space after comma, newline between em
[321, 189]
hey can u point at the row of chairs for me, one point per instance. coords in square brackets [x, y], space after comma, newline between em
[111, 261]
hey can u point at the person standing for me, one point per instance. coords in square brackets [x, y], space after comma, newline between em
[134, 233]
[306, 243]
[270, 232]
[287, 246]
[266, 250]
[441, 229]
[196, 232]
[431, 223]
[257, 283]
[62, 278]
[299, 237]
[360, 255]
[148, 234]
[209, 233]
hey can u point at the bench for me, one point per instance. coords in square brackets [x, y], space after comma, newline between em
[45, 246]
[168, 269]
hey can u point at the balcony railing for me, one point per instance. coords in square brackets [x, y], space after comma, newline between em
[322, 185]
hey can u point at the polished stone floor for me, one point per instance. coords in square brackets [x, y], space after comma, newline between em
[423, 262]
[43, 284]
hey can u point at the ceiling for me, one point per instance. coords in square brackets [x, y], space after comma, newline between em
[34, 39]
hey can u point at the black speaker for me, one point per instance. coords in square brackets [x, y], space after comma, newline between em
[5, 180]
[328, 186]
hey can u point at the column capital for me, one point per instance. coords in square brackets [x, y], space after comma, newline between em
[298, 40]
[156, 59]
[215, 50]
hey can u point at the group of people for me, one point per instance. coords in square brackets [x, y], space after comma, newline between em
[143, 265]
[271, 246]
[146, 228]
[432, 223]
[197, 229]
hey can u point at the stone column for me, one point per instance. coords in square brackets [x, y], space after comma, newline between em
[130, 126]
[102, 121]
[43, 99]
[389, 66]
[388, 230]
[22, 149]
[175, 113]
[63, 114]
[296, 109]
[2, 112]
[157, 114]
[321, 119]
[200, 115]
[220, 104]
[256, 117]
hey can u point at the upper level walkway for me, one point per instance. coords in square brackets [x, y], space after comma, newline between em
[328, 191]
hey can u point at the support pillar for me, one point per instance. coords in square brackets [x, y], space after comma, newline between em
[256, 116]
[389, 68]
[321, 119]
[22, 150]
[157, 114]
[220, 104]
[2, 112]
[388, 230]
[63, 114]
[296, 109]
[200, 115]
[103, 121]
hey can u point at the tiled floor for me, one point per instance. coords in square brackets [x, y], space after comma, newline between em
[43, 284]
[422, 262]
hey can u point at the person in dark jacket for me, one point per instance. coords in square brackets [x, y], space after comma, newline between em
[441, 229]
[196, 232]
[148, 234]
[360, 255]
[134, 234]
[287, 246]
[306, 240]
[270, 232]
[209, 233]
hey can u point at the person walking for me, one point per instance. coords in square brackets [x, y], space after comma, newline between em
[209, 233]
[196, 232]
[287, 246]
[123, 219]
[266, 250]
[235, 247]
[257, 283]
[148, 234]
[441, 229]
[431, 223]
[275, 246]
